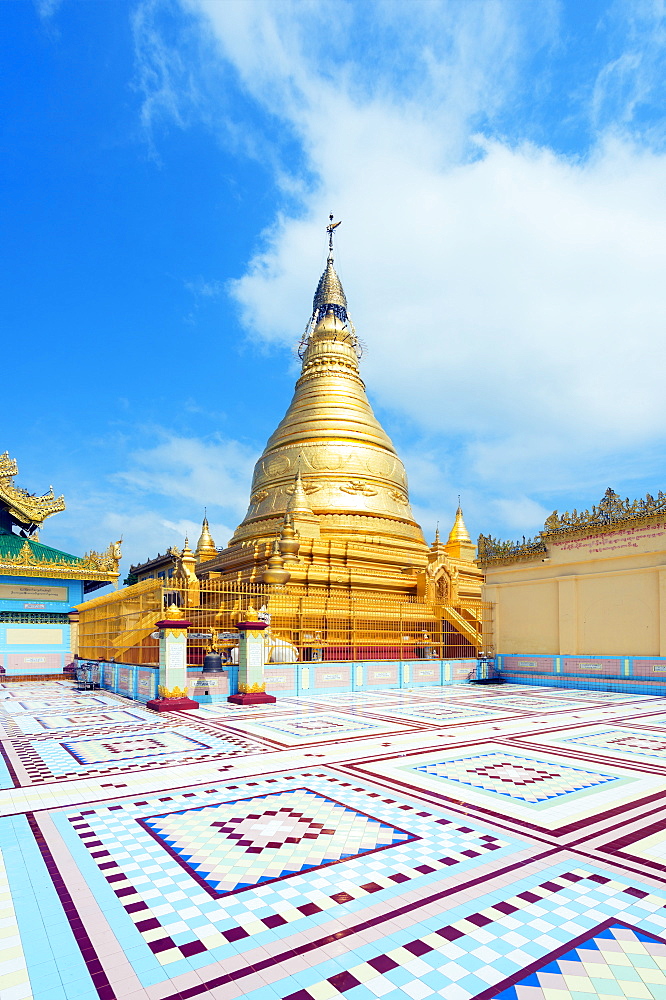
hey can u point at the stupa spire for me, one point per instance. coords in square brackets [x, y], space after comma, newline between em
[459, 544]
[330, 295]
[459, 532]
[206, 548]
[437, 548]
[330, 463]
[299, 503]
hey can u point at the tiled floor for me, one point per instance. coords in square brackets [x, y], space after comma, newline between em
[504, 844]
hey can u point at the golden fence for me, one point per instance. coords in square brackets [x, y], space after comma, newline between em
[306, 624]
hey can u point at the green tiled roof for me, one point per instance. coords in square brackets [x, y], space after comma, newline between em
[11, 545]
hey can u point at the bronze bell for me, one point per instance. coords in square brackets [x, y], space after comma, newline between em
[212, 663]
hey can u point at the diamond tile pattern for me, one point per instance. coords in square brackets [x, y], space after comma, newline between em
[33, 725]
[502, 844]
[517, 777]
[91, 703]
[238, 844]
[624, 741]
[134, 747]
[617, 961]
[47, 757]
[147, 873]
[434, 714]
[318, 724]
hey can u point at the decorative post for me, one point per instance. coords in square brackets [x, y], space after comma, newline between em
[251, 657]
[172, 690]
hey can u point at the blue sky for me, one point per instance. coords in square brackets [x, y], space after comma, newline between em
[167, 171]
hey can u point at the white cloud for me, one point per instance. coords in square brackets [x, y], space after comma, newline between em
[511, 297]
[522, 278]
[215, 472]
[633, 78]
[521, 513]
[158, 499]
[47, 8]
[204, 288]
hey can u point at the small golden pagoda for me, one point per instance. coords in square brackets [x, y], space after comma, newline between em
[329, 504]
[452, 574]
[206, 548]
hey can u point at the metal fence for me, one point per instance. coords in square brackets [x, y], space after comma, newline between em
[306, 625]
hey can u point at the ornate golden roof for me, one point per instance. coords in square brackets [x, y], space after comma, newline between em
[611, 514]
[8, 466]
[25, 509]
[329, 453]
[26, 557]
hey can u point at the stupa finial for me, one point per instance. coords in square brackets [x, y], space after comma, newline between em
[330, 229]
[330, 295]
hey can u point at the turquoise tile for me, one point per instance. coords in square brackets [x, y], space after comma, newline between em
[54, 993]
[260, 831]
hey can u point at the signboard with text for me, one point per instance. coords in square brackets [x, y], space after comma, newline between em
[642, 538]
[32, 592]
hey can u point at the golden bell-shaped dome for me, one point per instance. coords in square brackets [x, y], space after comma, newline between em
[289, 541]
[206, 548]
[329, 439]
[459, 544]
[275, 573]
[459, 532]
[329, 483]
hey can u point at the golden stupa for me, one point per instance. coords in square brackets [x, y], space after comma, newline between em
[206, 548]
[329, 504]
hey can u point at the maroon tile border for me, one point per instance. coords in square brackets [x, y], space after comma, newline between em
[10, 767]
[620, 847]
[88, 953]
